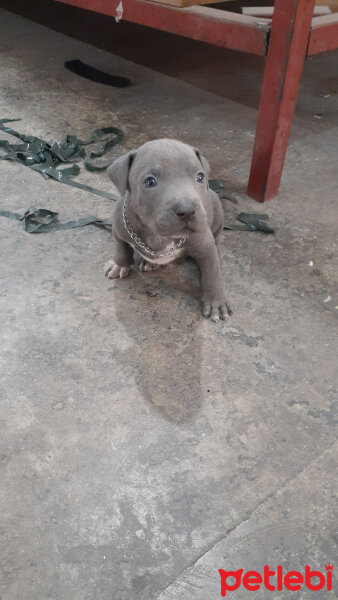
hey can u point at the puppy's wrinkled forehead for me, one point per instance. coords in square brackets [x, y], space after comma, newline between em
[165, 158]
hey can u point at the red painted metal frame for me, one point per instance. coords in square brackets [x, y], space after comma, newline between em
[324, 34]
[289, 38]
[201, 23]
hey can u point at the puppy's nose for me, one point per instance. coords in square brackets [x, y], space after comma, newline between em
[184, 210]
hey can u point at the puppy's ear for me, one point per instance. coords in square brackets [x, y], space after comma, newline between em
[119, 171]
[203, 162]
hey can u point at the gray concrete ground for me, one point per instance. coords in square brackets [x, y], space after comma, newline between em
[142, 447]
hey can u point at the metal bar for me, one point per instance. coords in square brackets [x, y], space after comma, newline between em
[217, 27]
[286, 53]
[324, 35]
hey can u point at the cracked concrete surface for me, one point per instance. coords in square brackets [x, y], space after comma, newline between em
[252, 543]
[142, 447]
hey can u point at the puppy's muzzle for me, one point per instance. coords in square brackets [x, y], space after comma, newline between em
[185, 210]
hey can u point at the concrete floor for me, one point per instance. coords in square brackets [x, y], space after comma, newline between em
[143, 447]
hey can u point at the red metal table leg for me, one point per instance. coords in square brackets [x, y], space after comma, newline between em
[289, 38]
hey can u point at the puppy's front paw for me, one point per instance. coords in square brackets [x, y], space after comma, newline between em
[216, 309]
[113, 271]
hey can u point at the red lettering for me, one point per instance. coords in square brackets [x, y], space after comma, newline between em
[293, 580]
[309, 575]
[252, 580]
[226, 587]
[267, 574]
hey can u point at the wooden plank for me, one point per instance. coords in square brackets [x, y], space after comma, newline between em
[289, 38]
[319, 22]
[267, 11]
[217, 27]
[185, 3]
[333, 4]
[324, 34]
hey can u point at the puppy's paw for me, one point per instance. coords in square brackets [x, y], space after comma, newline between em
[144, 265]
[113, 271]
[216, 309]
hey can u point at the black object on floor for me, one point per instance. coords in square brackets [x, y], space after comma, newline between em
[80, 68]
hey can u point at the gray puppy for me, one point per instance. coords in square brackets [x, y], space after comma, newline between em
[167, 210]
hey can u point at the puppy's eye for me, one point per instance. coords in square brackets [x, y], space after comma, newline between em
[150, 182]
[200, 177]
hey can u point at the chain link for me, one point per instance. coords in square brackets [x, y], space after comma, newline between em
[142, 245]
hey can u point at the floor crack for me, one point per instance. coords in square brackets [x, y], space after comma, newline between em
[245, 518]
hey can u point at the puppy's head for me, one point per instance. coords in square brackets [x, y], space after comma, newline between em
[167, 185]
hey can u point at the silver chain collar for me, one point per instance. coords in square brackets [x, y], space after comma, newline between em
[142, 245]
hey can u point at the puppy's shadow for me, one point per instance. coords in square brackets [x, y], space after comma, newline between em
[160, 313]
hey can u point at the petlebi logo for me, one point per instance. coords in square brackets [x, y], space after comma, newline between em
[278, 580]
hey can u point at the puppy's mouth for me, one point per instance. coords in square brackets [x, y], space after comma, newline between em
[189, 227]
[184, 229]
[186, 224]
[177, 226]
[177, 229]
